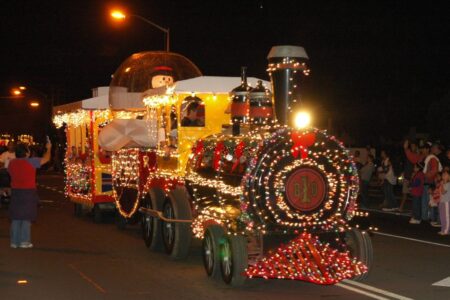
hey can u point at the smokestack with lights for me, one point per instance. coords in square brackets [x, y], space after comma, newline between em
[287, 66]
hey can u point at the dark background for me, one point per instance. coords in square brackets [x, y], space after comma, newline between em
[377, 67]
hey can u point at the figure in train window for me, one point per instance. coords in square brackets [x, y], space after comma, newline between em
[193, 112]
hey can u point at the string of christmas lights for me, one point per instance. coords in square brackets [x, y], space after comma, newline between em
[306, 258]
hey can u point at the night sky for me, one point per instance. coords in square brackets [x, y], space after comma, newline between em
[376, 66]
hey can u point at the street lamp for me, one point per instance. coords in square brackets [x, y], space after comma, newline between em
[16, 92]
[120, 16]
[34, 103]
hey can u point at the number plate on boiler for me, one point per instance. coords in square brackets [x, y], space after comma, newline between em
[306, 189]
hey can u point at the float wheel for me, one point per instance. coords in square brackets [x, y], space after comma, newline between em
[77, 209]
[359, 245]
[150, 225]
[212, 239]
[233, 259]
[120, 221]
[177, 236]
[98, 214]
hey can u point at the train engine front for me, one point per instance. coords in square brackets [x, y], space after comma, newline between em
[272, 198]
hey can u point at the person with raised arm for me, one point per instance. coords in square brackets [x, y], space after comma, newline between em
[24, 197]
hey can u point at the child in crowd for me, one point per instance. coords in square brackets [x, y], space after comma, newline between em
[417, 185]
[435, 197]
[444, 204]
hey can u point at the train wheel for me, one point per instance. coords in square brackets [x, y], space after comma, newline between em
[120, 221]
[211, 250]
[360, 246]
[177, 236]
[77, 209]
[233, 259]
[98, 214]
[150, 225]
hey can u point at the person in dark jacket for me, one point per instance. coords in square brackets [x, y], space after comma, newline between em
[24, 197]
[191, 119]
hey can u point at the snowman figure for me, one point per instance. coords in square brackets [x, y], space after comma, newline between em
[162, 76]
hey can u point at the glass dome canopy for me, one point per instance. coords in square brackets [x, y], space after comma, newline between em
[147, 70]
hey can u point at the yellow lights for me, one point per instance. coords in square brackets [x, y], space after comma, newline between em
[302, 120]
[22, 88]
[75, 119]
[159, 100]
[22, 281]
[82, 117]
[34, 104]
[117, 15]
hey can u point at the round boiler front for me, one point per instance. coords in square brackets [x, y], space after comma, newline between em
[301, 179]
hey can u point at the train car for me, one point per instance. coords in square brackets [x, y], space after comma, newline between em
[269, 196]
[87, 166]
[139, 74]
[167, 116]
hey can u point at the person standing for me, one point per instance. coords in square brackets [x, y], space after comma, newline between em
[431, 167]
[389, 181]
[444, 204]
[357, 160]
[366, 175]
[5, 158]
[416, 184]
[407, 173]
[435, 198]
[24, 197]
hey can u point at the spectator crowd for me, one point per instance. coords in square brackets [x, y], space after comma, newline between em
[422, 171]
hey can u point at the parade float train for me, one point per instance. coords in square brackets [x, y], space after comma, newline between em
[88, 179]
[269, 200]
[87, 167]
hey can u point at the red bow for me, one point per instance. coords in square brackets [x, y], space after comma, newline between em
[198, 152]
[238, 151]
[301, 142]
[217, 155]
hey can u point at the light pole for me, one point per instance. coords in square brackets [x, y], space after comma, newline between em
[119, 15]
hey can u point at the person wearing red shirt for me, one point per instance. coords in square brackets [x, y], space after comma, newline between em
[431, 168]
[416, 184]
[24, 197]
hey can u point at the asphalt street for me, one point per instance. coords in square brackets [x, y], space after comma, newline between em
[74, 258]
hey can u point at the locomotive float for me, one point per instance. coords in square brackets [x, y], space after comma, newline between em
[267, 198]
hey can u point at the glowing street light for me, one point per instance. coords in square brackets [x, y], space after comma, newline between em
[119, 15]
[16, 92]
[34, 104]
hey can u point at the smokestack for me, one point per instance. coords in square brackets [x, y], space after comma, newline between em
[240, 103]
[287, 65]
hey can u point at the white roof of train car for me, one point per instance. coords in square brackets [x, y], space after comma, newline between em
[100, 100]
[205, 84]
[201, 84]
